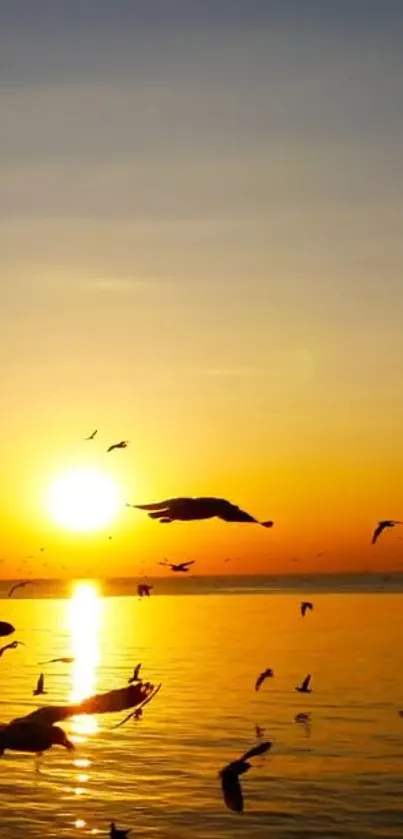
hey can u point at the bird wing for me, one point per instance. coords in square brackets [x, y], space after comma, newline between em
[153, 692]
[231, 512]
[102, 703]
[260, 680]
[306, 681]
[41, 682]
[303, 609]
[256, 750]
[231, 790]
[160, 505]
[137, 671]
[191, 562]
[377, 532]
[12, 589]
[112, 447]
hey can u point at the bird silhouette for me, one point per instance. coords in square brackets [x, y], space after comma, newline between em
[118, 833]
[135, 677]
[231, 787]
[6, 629]
[181, 566]
[63, 660]
[19, 585]
[305, 606]
[304, 687]
[381, 526]
[92, 436]
[27, 736]
[192, 509]
[122, 445]
[12, 646]
[267, 674]
[40, 686]
[143, 590]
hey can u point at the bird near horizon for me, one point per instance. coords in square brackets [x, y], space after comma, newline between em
[304, 686]
[64, 660]
[92, 436]
[118, 833]
[267, 674]
[40, 686]
[143, 590]
[12, 646]
[181, 566]
[382, 525]
[306, 606]
[122, 445]
[230, 784]
[19, 585]
[192, 509]
[135, 677]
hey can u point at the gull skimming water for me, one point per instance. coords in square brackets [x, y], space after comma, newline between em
[304, 687]
[180, 566]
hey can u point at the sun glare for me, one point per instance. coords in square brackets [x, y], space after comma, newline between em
[83, 500]
[84, 620]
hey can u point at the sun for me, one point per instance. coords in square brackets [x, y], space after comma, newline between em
[83, 500]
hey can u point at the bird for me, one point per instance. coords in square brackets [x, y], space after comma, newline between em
[231, 787]
[92, 436]
[12, 646]
[305, 606]
[63, 660]
[122, 445]
[6, 629]
[304, 687]
[40, 686]
[191, 509]
[135, 677]
[381, 526]
[265, 675]
[181, 566]
[143, 590]
[27, 736]
[19, 585]
[117, 833]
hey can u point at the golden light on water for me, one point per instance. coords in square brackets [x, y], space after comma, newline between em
[84, 623]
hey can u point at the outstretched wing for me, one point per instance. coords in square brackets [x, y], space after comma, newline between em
[102, 703]
[162, 505]
[231, 790]
[305, 683]
[377, 532]
[261, 749]
[260, 680]
[230, 512]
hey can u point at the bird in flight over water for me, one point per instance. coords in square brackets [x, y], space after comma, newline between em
[12, 646]
[135, 677]
[116, 833]
[304, 687]
[231, 787]
[180, 566]
[92, 436]
[192, 509]
[143, 590]
[122, 445]
[40, 686]
[19, 585]
[267, 674]
[381, 526]
[64, 660]
[305, 606]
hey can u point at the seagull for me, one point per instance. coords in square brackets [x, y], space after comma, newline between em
[143, 590]
[381, 526]
[19, 585]
[191, 509]
[115, 833]
[6, 629]
[40, 686]
[231, 788]
[64, 660]
[12, 646]
[304, 687]
[181, 566]
[27, 736]
[122, 445]
[305, 606]
[265, 675]
[92, 436]
[135, 677]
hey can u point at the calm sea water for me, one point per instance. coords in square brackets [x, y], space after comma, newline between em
[341, 778]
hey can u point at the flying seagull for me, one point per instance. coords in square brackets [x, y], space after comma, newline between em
[116, 833]
[122, 445]
[231, 787]
[135, 677]
[12, 646]
[191, 509]
[92, 436]
[40, 686]
[305, 606]
[181, 566]
[64, 660]
[265, 675]
[19, 585]
[381, 526]
[304, 687]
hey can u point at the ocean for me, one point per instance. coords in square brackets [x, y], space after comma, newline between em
[206, 641]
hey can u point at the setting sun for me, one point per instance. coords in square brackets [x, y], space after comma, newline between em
[83, 500]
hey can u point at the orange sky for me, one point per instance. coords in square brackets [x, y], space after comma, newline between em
[200, 251]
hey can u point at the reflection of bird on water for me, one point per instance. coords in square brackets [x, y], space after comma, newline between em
[267, 674]
[381, 526]
[25, 736]
[231, 787]
[64, 660]
[40, 686]
[305, 606]
[180, 566]
[191, 509]
[91, 437]
[143, 590]
[135, 677]
[19, 585]
[122, 445]
[116, 833]
[12, 646]
[259, 731]
[304, 687]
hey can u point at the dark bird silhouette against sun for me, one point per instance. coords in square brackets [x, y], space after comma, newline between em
[92, 436]
[122, 445]
[267, 674]
[12, 646]
[304, 687]
[305, 607]
[382, 525]
[192, 509]
[230, 784]
[40, 686]
[182, 567]
[143, 590]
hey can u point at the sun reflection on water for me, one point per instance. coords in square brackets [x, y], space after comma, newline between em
[84, 622]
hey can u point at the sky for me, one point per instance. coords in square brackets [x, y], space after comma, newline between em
[201, 252]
